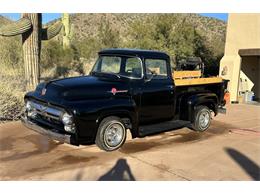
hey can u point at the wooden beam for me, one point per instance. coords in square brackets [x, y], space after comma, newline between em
[186, 74]
[197, 81]
[249, 52]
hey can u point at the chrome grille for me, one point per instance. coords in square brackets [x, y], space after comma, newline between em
[47, 112]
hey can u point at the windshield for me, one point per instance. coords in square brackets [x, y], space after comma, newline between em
[121, 66]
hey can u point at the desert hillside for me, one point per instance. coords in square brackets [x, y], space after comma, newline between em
[87, 25]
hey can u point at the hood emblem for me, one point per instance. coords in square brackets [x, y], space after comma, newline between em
[43, 91]
[114, 91]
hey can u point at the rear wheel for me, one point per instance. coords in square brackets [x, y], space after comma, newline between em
[202, 118]
[111, 134]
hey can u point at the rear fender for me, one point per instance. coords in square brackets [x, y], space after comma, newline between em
[190, 103]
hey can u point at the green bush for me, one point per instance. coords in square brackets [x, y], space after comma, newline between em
[53, 54]
[58, 62]
[177, 37]
[87, 48]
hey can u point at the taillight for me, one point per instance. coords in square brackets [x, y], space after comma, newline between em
[227, 97]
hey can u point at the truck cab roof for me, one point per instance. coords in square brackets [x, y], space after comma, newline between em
[135, 52]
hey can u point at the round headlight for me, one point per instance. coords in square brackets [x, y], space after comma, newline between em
[29, 106]
[67, 119]
[31, 111]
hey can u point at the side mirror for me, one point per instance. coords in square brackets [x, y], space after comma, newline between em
[151, 77]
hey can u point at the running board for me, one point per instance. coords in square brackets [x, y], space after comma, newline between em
[161, 127]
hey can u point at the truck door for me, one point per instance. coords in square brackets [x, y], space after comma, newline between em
[157, 99]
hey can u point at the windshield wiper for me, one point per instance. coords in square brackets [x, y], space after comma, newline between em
[106, 74]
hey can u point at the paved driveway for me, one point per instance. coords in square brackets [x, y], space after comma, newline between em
[229, 150]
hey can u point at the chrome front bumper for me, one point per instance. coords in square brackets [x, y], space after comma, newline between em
[65, 138]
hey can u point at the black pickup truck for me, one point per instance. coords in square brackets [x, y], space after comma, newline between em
[126, 90]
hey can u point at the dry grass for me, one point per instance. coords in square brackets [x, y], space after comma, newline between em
[12, 90]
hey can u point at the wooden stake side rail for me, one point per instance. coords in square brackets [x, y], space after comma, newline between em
[186, 74]
[197, 81]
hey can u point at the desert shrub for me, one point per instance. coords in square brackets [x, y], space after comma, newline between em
[57, 61]
[141, 35]
[88, 65]
[106, 37]
[177, 37]
[12, 86]
[11, 105]
[11, 53]
[87, 48]
[53, 54]
[12, 90]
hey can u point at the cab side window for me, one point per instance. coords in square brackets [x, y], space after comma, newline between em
[133, 68]
[156, 68]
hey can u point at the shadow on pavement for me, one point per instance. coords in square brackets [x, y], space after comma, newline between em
[120, 172]
[40, 144]
[252, 169]
[174, 137]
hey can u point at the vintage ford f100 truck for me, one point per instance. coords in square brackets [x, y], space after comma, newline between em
[127, 89]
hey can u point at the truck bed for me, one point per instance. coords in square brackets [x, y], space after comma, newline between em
[197, 81]
[183, 78]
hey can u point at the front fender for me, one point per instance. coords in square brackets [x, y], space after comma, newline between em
[127, 111]
[89, 114]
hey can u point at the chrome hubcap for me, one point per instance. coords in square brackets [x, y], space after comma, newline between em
[204, 119]
[114, 134]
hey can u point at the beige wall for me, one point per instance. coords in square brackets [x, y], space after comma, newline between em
[243, 32]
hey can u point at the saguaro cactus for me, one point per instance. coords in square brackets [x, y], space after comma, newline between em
[67, 30]
[30, 27]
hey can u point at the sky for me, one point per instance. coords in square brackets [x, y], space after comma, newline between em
[45, 17]
[220, 16]
[50, 16]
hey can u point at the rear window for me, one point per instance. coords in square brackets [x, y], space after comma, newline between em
[156, 67]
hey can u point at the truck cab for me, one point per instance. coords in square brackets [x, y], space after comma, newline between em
[127, 89]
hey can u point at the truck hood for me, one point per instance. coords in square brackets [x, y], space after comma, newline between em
[81, 88]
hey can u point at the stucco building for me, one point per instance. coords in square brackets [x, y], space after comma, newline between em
[241, 61]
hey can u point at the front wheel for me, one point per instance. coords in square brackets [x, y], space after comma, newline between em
[202, 118]
[111, 134]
